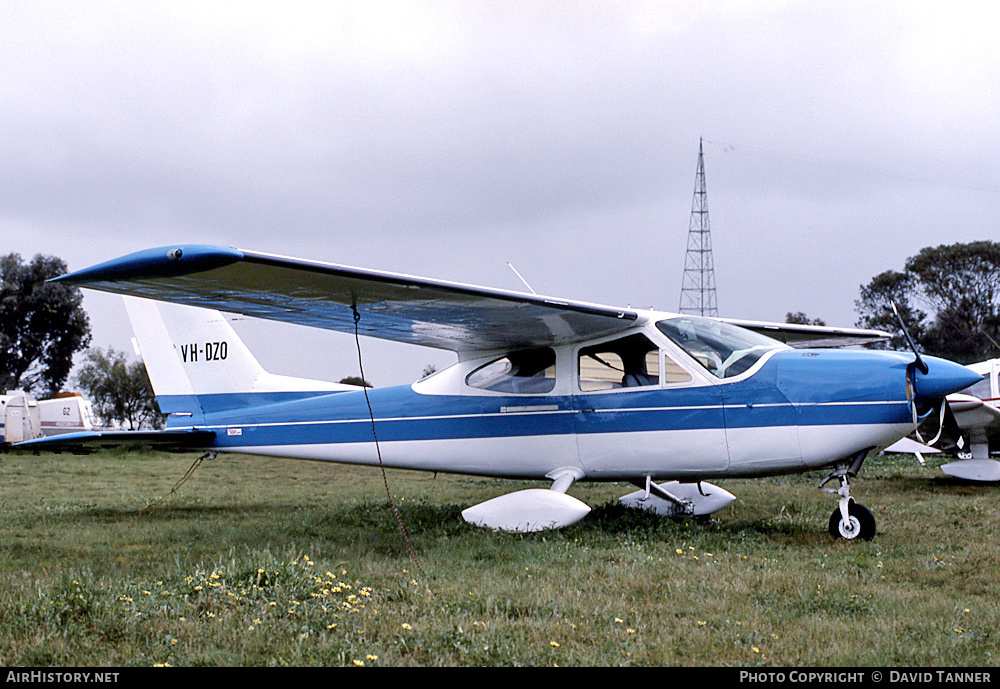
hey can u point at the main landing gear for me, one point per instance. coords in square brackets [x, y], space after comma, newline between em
[850, 520]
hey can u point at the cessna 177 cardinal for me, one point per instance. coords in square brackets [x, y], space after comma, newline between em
[544, 388]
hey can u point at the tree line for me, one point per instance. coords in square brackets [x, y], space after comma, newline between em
[948, 296]
[43, 326]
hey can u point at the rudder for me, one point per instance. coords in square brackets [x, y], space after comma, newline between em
[198, 364]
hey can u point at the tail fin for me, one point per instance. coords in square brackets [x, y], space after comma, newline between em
[197, 363]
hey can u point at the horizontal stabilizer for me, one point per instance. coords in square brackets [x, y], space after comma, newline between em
[535, 509]
[94, 441]
[974, 469]
[706, 500]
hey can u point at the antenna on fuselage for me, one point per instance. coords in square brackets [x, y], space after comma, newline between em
[522, 279]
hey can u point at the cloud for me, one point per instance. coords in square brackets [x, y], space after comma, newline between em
[448, 138]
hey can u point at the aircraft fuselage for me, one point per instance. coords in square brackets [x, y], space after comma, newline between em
[795, 410]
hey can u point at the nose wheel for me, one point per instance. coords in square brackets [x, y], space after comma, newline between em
[850, 521]
[859, 523]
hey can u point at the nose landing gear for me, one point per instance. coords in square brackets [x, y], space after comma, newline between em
[858, 523]
[850, 520]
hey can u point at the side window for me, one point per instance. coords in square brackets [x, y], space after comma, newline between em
[629, 362]
[673, 373]
[531, 372]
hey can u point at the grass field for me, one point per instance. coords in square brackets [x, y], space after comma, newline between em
[261, 562]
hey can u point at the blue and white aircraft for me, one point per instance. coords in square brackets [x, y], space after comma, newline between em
[544, 388]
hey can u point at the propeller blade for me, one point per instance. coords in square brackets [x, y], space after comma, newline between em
[920, 363]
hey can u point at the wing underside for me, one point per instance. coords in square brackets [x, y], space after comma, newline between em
[390, 306]
[800, 336]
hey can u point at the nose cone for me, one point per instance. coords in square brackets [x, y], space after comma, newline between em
[942, 378]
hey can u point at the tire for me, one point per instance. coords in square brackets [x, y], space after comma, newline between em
[861, 526]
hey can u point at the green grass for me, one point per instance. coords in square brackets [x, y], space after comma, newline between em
[261, 562]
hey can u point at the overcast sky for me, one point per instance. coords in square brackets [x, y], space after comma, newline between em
[447, 139]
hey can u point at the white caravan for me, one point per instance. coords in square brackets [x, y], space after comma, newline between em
[67, 412]
[19, 417]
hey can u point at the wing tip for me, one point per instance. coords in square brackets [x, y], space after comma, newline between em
[161, 262]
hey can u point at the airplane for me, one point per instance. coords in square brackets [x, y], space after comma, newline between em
[543, 388]
[970, 427]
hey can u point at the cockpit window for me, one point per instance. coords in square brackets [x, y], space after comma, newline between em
[724, 350]
[532, 371]
[628, 362]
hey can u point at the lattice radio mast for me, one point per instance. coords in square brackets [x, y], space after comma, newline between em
[698, 285]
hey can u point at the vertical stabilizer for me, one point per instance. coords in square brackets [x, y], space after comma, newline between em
[198, 364]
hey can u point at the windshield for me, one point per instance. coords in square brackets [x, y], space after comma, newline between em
[724, 350]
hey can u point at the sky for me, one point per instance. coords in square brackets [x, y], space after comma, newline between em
[449, 139]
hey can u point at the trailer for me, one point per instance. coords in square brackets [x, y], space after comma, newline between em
[20, 418]
[67, 412]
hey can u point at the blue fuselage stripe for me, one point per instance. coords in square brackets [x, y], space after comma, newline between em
[512, 425]
[774, 397]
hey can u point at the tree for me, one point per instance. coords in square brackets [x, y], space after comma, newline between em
[120, 391]
[961, 282]
[42, 325]
[875, 307]
[800, 318]
[958, 284]
[356, 380]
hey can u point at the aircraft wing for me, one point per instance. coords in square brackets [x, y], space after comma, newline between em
[403, 308]
[92, 441]
[800, 336]
[971, 412]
